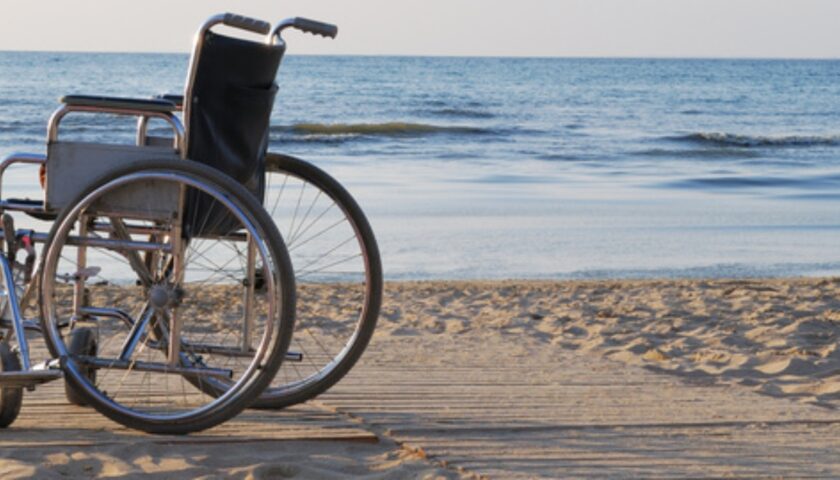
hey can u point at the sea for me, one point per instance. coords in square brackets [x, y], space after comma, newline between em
[526, 168]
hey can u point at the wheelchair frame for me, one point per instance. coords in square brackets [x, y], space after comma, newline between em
[120, 240]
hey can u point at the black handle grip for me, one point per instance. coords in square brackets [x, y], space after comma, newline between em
[315, 27]
[246, 23]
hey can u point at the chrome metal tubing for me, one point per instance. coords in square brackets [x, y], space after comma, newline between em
[189, 348]
[178, 251]
[14, 307]
[27, 158]
[130, 228]
[230, 351]
[151, 230]
[115, 363]
[22, 207]
[248, 325]
[177, 127]
[30, 325]
[133, 258]
[81, 264]
[275, 37]
[142, 130]
[117, 245]
[29, 292]
[136, 333]
[294, 357]
[28, 379]
[198, 45]
[109, 313]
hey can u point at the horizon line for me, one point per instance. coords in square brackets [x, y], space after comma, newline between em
[433, 55]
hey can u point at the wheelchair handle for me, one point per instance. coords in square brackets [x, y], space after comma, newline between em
[305, 25]
[246, 23]
[315, 27]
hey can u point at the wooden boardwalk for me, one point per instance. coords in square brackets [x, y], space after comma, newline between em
[537, 411]
[472, 405]
[46, 410]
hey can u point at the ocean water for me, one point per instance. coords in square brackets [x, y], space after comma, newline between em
[527, 168]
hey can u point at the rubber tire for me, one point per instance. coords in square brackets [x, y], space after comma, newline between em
[286, 309]
[82, 342]
[11, 398]
[275, 398]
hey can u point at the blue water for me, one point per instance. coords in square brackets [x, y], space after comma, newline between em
[528, 168]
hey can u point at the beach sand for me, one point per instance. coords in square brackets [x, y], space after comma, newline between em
[518, 379]
[776, 337]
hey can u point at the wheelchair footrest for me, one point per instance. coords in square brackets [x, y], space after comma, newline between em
[28, 379]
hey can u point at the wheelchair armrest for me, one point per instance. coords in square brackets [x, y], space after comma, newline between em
[143, 105]
[178, 100]
[143, 109]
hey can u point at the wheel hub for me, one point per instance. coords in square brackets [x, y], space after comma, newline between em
[160, 296]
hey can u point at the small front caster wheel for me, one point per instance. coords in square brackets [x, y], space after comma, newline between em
[82, 342]
[10, 397]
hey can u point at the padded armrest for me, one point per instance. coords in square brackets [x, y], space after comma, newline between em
[156, 105]
[178, 100]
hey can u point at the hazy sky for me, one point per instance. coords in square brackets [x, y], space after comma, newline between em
[673, 28]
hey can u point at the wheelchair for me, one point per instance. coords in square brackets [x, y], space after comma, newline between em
[192, 274]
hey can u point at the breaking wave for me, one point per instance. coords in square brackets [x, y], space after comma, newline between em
[387, 129]
[746, 141]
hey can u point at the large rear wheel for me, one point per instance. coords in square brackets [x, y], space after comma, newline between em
[160, 261]
[338, 276]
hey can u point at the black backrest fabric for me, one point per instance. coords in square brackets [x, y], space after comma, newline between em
[232, 97]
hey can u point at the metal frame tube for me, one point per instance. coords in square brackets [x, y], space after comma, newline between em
[14, 307]
[27, 158]
[117, 245]
[152, 230]
[138, 366]
[179, 142]
[178, 249]
[142, 130]
[136, 333]
[133, 258]
[81, 264]
[275, 37]
[110, 313]
[248, 325]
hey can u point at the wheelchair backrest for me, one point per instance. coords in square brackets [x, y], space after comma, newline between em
[228, 106]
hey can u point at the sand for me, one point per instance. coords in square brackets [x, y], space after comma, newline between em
[520, 380]
[776, 337]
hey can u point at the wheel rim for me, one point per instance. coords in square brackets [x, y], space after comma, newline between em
[333, 278]
[214, 267]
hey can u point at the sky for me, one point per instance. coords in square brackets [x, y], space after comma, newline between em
[562, 28]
